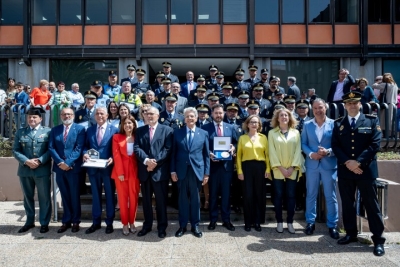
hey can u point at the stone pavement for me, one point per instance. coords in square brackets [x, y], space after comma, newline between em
[215, 248]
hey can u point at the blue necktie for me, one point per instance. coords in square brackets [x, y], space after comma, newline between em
[353, 123]
[169, 116]
[190, 138]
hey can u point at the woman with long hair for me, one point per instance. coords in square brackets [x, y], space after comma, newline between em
[112, 111]
[367, 93]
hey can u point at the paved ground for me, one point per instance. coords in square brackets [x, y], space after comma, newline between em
[216, 248]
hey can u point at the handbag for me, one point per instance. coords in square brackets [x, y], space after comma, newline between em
[382, 96]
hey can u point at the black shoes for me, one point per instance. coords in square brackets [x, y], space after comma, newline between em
[334, 233]
[247, 228]
[180, 232]
[298, 208]
[143, 232]
[93, 228]
[347, 240]
[309, 229]
[75, 228]
[196, 232]
[229, 226]
[44, 229]
[257, 227]
[162, 234]
[26, 228]
[109, 229]
[211, 226]
[237, 209]
[379, 250]
[64, 227]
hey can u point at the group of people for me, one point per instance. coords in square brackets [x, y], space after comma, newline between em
[153, 137]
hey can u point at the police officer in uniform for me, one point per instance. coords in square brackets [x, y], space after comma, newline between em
[141, 87]
[166, 82]
[254, 109]
[30, 149]
[169, 117]
[157, 86]
[239, 84]
[273, 89]
[217, 87]
[203, 110]
[243, 99]
[199, 96]
[112, 88]
[264, 79]
[167, 71]
[212, 80]
[131, 74]
[257, 94]
[253, 75]
[201, 81]
[212, 99]
[232, 117]
[227, 97]
[87, 114]
[355, 142]
[290, 101]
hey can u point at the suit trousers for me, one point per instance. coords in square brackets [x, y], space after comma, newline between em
[128, 195]
[236, 191]
[96, 182]
[282, 187]
[160, 190]
[43, 185]
[254, 192]
[189, 199]
[68, 183]
[328, 179]
[368, 192]
[220, 185]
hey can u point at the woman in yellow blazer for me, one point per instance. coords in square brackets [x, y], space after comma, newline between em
[286, 162]
[253, 167]
[125, 173]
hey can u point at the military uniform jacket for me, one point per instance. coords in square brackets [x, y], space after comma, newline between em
[193, 94]
[174, 78]
[201, 124]
[240, 86]
[252, 82]
[196, 101]
[176, 122]
[224, 100]
[82, 115]
[269, 95]
[299, 126]
[142, 87]
[360, 144]
[26, 146]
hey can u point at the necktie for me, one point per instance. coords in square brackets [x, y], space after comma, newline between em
[89, 113]
[190, 86]
[33, 132]
[219, 132]
[100, 134]
[169, 116]
[231, 122]
[190, 138]
[151, 133]
[65, 133]
[353, 123]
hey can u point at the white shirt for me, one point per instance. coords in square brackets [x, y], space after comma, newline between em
[339, 91]
[104, 126]
[356, 117]
[154, 130]
[129, 149]
[221, 126]
[319, 131]
[187, 132]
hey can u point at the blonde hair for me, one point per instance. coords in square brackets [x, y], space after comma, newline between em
[388, 78]
[275, 119]
[245, 124]
[143, 106]
[43, 82]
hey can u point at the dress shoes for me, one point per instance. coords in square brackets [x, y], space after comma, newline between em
[334, 233]
[132, 229]
[125, 230]
[162, 234]
[109, 229]
[75, 228]
[64, 228]
[196, 232]
[237, 209]
[93, 228]
[247, 228]
[347, 240]
[257, 227]
[291, 228]
[279, 227]
[379, 250]
[44, 229]
[298, 208]
[309, 229]
[26, 228]
[143, 232]
[180, 232]
[211, 226]
[229, 226]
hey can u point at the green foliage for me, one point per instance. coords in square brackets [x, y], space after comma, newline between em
[390, 155]
[5, 147]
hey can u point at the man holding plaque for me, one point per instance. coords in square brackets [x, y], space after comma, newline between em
[221, 167]
[98, 146]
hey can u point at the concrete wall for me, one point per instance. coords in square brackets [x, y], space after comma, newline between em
[123, 62]
[370, 70]
[40, 69]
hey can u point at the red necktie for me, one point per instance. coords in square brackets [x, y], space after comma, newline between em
[219, 132]
[65, 133]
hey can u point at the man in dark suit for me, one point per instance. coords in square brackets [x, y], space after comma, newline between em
[85, 116]
[339, 88]
[99, 138]
[190, 168]
[167, 71]
[253, 75]
[153, 143]
[131, 75]
[34, 169]
[220, 170]
[189, 85]
[65, 146]
[292, 87]
[355, 141]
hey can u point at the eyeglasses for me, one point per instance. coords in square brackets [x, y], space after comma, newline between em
[253, 122]
[378, 80]
[67, 114]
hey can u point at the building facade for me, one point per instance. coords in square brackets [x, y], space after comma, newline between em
[81, 40]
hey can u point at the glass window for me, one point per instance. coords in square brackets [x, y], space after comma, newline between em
[96, 11]
[44, 11]
[155, 11]
[11, 12]
[293, 11]
[235, 11]
[83, 72]
[346, 11]
[208, 11]
[397, 10]
[123, 11]
[4, 74]
[309, 73]
[181, 11]
[266, 11]
[70, 11]
[379, 11]
[392, 66]
[319, 10]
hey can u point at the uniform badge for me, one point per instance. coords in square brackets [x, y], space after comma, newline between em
[195, 94]
[208, 82]
[162, 99]
[269, 97]
[240, 130]
[378, 128]
[341, 127]
[162, 119]
[237, 117]
[207, 116]
[80, 117]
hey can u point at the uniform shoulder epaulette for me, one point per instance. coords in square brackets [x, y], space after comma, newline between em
[340, 118]
[370, 116]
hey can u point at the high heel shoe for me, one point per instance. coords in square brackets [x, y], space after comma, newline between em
[132, 229]
[125, 230]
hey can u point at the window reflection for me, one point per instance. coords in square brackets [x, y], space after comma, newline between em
[397, 10]
[379, 11]
[181, 11]
[266, 11]
[235, 11]
[208, 11]
[44, 12]
[123, 11]
[319, 11]
[155, 11]
[96, 11]
[11, 12]
[346, 11]
[70, 12]
[293, 11]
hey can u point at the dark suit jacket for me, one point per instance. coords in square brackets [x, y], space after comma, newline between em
[184, 88]
[228, 130]
[174, 78]
[348, 82]
[105, 147]
[197, 155]
[159, 149]
[294, 90]
[83, 116]
[69, 152]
